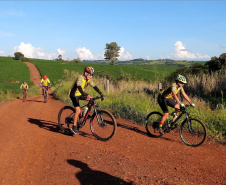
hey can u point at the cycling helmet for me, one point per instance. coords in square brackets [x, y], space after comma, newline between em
[45, 76]
[89, 70]
[181, 79]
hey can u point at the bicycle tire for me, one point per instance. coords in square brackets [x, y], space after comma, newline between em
[66, 118]
[152, 124]
[105, 130]
[195, 135]
[45, 96]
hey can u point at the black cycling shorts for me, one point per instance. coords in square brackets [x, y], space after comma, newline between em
[165, 102]
[75, 100]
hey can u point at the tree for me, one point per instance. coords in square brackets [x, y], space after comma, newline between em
[222, 59]
[77, 60]
[19, 55]
[60, 58]
[214, 64]
[112, 52]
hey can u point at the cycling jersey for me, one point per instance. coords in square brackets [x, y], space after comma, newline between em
[80, 81]
[167, 93]
[45, 82]
[24, 86]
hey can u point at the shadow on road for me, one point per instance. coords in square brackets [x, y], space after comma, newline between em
[135, 129]
[132, 128]
[88, 176]
[34, 101]
[48, 125]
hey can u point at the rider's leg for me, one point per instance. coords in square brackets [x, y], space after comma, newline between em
[177, 107]
[77, 112]
[166, 114]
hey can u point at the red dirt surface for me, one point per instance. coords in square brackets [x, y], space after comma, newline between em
[33, 151]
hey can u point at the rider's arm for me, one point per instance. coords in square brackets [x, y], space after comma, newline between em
[98, 90]
[49, 83]
[27, 86]
[186, 97]
[175, 97]
[21, 86]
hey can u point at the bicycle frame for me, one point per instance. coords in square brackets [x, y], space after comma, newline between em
[91, 104]
[182, 111]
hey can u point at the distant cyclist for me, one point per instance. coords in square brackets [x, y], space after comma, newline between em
[168, 97]
[77, 93]
[45, 83]
[24, 87]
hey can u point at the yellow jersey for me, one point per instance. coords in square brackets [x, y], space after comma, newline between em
[167, 93]
[81, 81]
[24, 86]
[45, 82]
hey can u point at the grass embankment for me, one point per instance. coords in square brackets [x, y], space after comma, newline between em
[135, 99]
[12, 75]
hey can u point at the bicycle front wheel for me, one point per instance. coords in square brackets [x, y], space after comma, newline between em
[152, 124]
[103, 125]
[193, 132]
[65, 118]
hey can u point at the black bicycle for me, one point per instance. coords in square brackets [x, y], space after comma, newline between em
[192, 131]
[102, 123]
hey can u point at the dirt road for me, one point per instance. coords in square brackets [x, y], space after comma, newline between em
[32, 151]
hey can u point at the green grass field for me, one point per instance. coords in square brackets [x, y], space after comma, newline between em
[12, 74]
[54, 70]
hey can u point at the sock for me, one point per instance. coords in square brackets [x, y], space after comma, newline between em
[160, 125]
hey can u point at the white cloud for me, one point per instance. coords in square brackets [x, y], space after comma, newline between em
[182, 53]
[60, 51]
[1, 53]
[124, 55]
[30, 51]
[84, 54]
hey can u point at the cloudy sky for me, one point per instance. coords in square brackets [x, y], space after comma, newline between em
[191, 30]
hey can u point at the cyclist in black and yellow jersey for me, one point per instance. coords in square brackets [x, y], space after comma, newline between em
[45, 83]
[24, 87]
[77, 93]
[168, 97]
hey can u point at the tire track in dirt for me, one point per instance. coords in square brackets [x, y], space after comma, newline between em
[34, 152]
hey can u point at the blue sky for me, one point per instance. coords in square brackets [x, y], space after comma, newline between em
[191, 30]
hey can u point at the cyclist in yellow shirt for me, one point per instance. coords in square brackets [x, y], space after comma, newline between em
[77, 93]
[45, 83]
[24, 87]
[168, 97]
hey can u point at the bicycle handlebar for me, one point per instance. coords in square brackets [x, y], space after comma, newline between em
[96, 98]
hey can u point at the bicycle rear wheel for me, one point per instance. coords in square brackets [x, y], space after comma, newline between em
[65, 119]
[103, 125]
[193, 132]
[152, 124]
[45, 96]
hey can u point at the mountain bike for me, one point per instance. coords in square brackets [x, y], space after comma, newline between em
[192, 131]
[24, 94]
[45, 94]
[102, 123]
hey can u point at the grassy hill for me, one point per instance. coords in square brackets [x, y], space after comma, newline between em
[150, 73]
[12, 74]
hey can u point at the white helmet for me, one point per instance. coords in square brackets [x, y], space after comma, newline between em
[181, 79]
